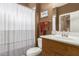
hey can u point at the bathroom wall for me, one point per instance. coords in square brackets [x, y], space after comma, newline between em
[67, 8]
[42, 7]
[70, 7]
[39, 8]
[49, 7]
[37, 18]
[17, 28]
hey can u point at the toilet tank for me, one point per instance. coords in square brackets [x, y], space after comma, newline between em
[40, 42]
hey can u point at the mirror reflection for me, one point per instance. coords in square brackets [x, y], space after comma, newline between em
[69, 22]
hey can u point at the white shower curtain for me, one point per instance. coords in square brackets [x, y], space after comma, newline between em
[17, 29]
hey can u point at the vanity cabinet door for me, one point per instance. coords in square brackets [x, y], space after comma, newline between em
[72, 50]
[48, 50]
[51, 52]
[58, 47]
[44, 47]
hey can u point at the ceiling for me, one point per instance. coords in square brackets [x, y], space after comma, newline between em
[58, 4]
[30, 5]
[33, 5]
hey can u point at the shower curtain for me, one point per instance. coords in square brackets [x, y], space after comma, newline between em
[17, 29]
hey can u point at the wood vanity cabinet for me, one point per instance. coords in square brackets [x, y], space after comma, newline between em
[55, 48]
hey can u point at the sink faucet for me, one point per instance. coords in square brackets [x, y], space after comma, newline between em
[64, 34]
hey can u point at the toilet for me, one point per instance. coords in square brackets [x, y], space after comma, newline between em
[35, 51]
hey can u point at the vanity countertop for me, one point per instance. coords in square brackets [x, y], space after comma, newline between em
[64, 39]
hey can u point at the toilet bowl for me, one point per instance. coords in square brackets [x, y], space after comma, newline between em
[35, 50]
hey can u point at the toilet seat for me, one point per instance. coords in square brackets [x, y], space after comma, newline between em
[33, 51]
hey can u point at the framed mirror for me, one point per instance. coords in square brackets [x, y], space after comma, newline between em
[69, 22]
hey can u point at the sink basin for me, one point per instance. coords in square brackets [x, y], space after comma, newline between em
[74, 38]
[59, 36]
